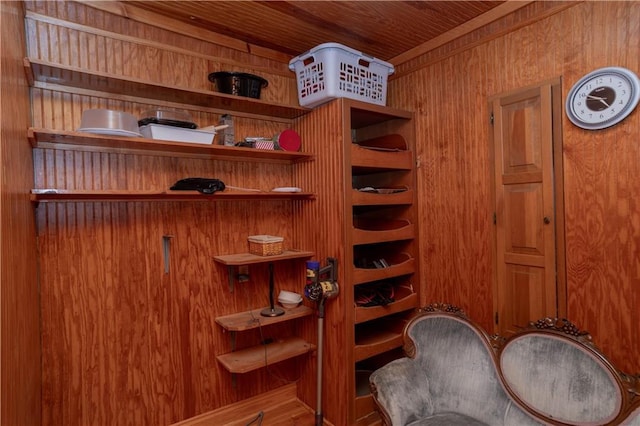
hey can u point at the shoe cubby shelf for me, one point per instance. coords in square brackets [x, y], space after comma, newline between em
[405, 299]
[380, 230]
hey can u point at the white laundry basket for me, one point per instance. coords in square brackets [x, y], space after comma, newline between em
[331, 70]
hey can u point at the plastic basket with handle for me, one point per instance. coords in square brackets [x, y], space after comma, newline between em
[331, 70]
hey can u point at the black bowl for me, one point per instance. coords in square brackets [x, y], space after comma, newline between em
[238, 83]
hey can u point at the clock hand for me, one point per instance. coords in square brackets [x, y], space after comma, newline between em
[597, 98]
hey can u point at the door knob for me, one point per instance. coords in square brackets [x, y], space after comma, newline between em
[546, 220]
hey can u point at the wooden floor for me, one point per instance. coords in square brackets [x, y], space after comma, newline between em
[280, 407]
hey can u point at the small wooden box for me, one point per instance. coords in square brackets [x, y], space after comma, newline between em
[266, 245]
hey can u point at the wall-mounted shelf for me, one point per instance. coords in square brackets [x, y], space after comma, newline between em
[81, 141]
[240, 259]
[49, 75]
[252, 319]
[255, 357]
[79, 195]
[249, 259]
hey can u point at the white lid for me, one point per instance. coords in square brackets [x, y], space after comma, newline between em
[265, 239]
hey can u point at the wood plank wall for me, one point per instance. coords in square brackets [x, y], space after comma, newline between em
[123, 342]
[19, 300]
[449, 87]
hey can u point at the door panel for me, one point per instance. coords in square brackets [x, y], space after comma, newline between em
[522, 208]
[525, 238]
[527, 292]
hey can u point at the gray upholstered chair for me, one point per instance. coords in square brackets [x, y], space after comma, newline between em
[456, 374]
[449, 377]
[555, 371]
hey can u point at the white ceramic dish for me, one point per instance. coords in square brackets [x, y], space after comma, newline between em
[110, 132]
[109, 122]
[287, 189]
[289, 305]
[289, 297]
[177, 134]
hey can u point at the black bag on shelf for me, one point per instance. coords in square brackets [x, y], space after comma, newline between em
[202, 185]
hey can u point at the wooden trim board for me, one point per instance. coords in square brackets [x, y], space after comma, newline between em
[279, 407]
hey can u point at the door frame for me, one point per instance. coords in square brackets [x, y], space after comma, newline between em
[557, 116]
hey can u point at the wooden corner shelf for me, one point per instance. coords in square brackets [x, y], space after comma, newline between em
[82, 141]
[79, 195]
[255, 357]
[50, 75]
[249, 320]
[249, 259]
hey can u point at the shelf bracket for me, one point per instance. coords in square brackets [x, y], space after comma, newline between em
[234, 382]
[232, 278]
[239, 273]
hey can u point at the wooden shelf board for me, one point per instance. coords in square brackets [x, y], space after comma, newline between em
[240, 259]
[363, 314]
[364, 405]
[376, 342]
[42, 73]
[363, 236]
[280, 406]
[78, 195]
[362, 275]
[359, 198]
[363, 158]
[252, 319]
[82, 141]
[253, 358]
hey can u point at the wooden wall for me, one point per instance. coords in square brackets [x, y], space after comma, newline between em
[124, 342]
[19, 299]
[449, 87]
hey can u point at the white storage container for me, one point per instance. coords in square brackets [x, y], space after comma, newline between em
[177, 134]
[332, 70]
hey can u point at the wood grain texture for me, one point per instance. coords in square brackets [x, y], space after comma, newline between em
[20, 369]
[448, 89]
[321, 224]
[124, 342]
[80, 36]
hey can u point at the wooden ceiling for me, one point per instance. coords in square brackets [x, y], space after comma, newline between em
[387, 30]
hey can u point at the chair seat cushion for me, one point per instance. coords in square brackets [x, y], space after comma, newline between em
[447, 419]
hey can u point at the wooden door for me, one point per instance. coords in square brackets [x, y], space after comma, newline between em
[525, 206]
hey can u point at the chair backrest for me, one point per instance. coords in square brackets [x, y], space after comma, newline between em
[561, 376]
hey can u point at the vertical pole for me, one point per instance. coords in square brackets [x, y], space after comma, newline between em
[319, 416]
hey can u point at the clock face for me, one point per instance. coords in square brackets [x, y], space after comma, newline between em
[603, 98]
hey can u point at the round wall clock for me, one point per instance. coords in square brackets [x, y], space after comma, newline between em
[603, 97]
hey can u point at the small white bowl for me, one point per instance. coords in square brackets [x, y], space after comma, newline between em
[289, 296]
[289, 299]
[289, 305]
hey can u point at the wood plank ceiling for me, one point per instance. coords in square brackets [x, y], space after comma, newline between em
[383, 29]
